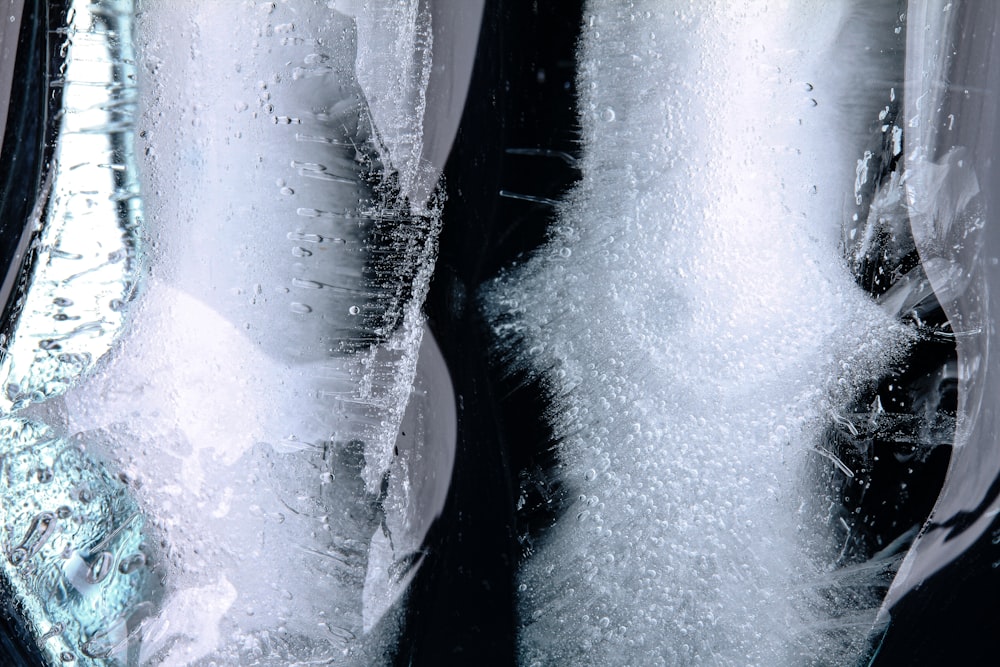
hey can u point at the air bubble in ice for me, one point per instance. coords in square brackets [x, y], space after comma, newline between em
[302, 283]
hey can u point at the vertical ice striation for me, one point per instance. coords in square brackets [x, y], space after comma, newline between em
[77, 258]
[76, 548]
[229, 483]
[696, 327]
[950, 113]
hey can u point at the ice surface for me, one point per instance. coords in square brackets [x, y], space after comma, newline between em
[77, 259]
[79, 556]
[414, 63]
[249, 433]
[950, 112]
[697, 327]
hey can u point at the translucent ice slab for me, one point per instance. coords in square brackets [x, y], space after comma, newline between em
[227, 431]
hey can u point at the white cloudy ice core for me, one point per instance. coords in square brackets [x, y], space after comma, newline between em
[697, 327]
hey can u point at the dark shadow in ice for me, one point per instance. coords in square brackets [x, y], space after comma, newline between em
[520, 111]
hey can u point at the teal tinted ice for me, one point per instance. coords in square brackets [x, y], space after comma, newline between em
[78, 552]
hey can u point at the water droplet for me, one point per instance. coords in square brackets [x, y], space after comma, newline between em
[299, 308]
[62, 302]
[306, 284]
[304, 238]
[307, 166]
[67, 656]
[354, 310]
[287, 191]
[299, 251]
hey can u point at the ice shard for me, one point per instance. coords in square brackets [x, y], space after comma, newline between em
[226, 432]
[951, 120]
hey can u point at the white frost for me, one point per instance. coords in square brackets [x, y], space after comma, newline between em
[696, 326]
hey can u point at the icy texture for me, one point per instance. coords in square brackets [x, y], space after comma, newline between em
[255, 400]
[394, 51]
[327, 264]
[77, 263]
[78, 556]
[697, 328]
[951, 185]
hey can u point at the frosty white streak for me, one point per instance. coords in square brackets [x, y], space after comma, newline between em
[695, 325]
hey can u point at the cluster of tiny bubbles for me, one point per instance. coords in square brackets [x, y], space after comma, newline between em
[687, 381]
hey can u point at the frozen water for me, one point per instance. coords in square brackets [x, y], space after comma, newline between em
[262, 451]
[248, 470]
[950, 113]
[696, 327]
[77, 259]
